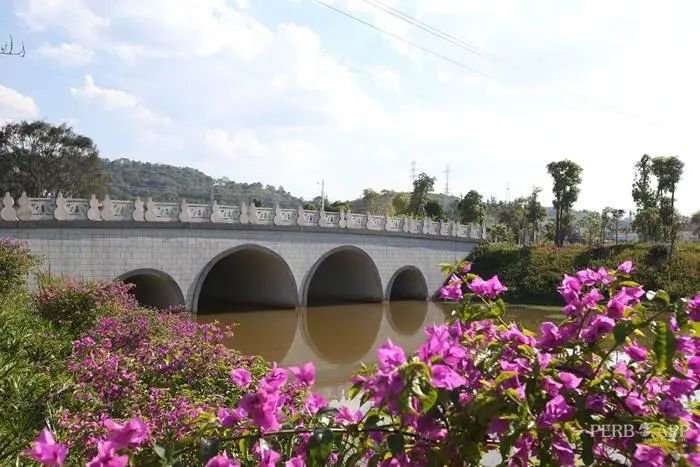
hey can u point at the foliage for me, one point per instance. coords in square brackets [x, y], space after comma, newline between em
[44, 159]
[76, 306]
[695, 222]
[400, 203]
[535, 213]
[128, 179]
[422, 186]
[471, 208]
[566, 176]
[499, 233]
[30, 353]
[533, 272]
[434, 210]
[476, 386]
[592, 224]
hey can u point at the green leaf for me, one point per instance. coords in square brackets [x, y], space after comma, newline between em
[663, 296]
[395, 442]
[620, 332]
[629, 284]
[587, 447]
[320, 446]
[505, 375]
[354, 390]
[664, 346]
[371, 421]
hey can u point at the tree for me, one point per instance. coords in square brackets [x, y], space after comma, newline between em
[499, 233]
[535, 213]
[43, 159]
[591, 223]
[471, 208]
[400, 203]
[370, 196]
[668, 172]
[422, 186]
[615, 216]
[695, 222]
[567, 177]
[434, 210]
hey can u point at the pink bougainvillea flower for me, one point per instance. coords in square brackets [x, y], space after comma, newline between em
[626, 267]
[305, 374]
[556, 410]
[125, 435]
[451, 293]
[649, 456]
[269, 458]
[601, 325]
[390, 356]
[46, 451]
[296, 461]
[564, 452]
[222, 460]
[636, 353]
[489, 289]
[107, 457]
[549, 336]
[596, 403]
[467, 267]
[275, 379]
[228, 418]
[569, 380]
[635, 405]
[261, 407]
[314, 402]
[241, 377]
[445, 377]
[346, 417]
[694, 308]
[587, 276]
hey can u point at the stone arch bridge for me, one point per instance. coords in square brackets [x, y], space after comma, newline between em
[218, 258]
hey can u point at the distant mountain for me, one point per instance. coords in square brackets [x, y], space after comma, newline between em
[128, 179]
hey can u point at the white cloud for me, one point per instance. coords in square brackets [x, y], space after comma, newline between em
[67, 54]
[72, 16]
[115, 100]
[15, 105]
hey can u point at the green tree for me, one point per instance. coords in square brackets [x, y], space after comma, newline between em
[499, 233]
[371, 198]
[471, 208]
[44, 159]
[615, 216]
[422, 186]
[695, 222]
[535, 213]
[400, 203]
[566, 176]
[668, 172]
[434, 210]
[590, 223]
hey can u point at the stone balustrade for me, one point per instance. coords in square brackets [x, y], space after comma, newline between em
[149, 211]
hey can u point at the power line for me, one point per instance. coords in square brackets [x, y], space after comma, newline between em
[430, 29]
[406, 41]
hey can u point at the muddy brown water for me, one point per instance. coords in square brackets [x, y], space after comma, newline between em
[339, 338]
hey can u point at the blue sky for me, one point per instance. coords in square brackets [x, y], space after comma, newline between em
[288, 92]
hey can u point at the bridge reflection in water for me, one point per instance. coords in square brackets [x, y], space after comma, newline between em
[337, 338]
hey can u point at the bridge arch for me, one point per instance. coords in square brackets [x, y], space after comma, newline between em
[407, 283]
[153, 288]
[346, 274]
[245, 277]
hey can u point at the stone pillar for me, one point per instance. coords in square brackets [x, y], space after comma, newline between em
[107, 209]
[138, 213]
[184, 214]
[60, 213]
[93, 213]
[8, 212]
[24, 212]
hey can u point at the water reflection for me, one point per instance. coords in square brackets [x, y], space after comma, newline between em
[342, 333]
[407, 317]
[338, 339]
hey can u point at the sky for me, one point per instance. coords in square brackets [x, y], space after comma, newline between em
[290, 92]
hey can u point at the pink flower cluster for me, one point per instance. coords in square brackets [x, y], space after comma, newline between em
[121, 437]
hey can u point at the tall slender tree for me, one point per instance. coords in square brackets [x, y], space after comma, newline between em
[668, 172]
[567, 177]
[422, 186]
[472, 208]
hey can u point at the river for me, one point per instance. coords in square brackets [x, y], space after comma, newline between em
[339, 338]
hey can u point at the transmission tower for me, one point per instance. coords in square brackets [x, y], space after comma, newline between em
[413, 172]
[447, 180]
[507, 192]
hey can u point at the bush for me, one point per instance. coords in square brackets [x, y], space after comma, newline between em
[532, 273]
[16, 261]
[612, 383]
[76, 306]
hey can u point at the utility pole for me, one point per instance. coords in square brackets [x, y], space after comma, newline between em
[323, 194]
[447, 180]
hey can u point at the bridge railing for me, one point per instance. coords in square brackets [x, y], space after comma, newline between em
[107, 210]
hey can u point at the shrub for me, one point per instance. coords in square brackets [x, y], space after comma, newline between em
[76, 306]
[620, 357]
[532, 272]
[16, 261]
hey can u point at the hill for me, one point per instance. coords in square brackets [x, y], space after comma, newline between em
[128, 179]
